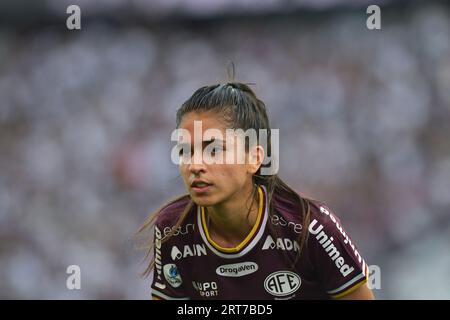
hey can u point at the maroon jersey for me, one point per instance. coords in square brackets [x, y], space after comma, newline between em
[190, 265]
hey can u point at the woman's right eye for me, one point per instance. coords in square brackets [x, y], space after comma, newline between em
[216, 149]
[184, 154]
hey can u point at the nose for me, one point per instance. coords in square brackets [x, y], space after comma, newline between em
[196, 165]
[196, 168]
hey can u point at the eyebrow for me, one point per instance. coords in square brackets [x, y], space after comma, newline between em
[212, 140]
[204, 142]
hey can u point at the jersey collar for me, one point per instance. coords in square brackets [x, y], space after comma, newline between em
[249, 242]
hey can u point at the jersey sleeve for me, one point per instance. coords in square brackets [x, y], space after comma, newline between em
[336, 259]
[167, 283]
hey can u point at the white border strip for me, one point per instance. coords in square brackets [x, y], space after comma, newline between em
[166, 297]
[348, 284]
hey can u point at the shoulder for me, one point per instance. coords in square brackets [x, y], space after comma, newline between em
[289, 207]
[323, 214]
[332, 250]
[325, 224]
[169, 214]
[293, 210]
[286, 206]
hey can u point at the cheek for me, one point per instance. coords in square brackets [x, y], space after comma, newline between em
[184, 171]
[234, 173]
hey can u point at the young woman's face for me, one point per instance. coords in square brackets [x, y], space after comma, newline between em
[213, 183]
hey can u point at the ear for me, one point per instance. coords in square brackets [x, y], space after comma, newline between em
[255, 159]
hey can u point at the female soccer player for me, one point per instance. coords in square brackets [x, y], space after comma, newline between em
[238, 233]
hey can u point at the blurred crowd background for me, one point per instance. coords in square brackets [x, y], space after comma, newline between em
[86, 118]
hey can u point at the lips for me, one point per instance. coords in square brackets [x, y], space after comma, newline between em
[200, 186]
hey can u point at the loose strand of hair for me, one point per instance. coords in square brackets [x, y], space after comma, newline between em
[149, 224]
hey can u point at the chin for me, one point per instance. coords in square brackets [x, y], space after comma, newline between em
[203, 201]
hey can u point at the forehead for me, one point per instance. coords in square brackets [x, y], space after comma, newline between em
[209, 120]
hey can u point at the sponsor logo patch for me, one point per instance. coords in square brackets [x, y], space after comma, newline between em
[237, 269]
[282, 283]
[172, 275]
[197, 250]
[206, 289]
[158, 265]
[181, 230]
[281, 221]
[283, 244]
[327, 244]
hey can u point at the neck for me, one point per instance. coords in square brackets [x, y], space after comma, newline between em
[232, 220]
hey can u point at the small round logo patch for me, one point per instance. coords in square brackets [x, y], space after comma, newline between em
[282, 283]
[172, 275]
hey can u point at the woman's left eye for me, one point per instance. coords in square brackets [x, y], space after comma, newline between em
[217, 149]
